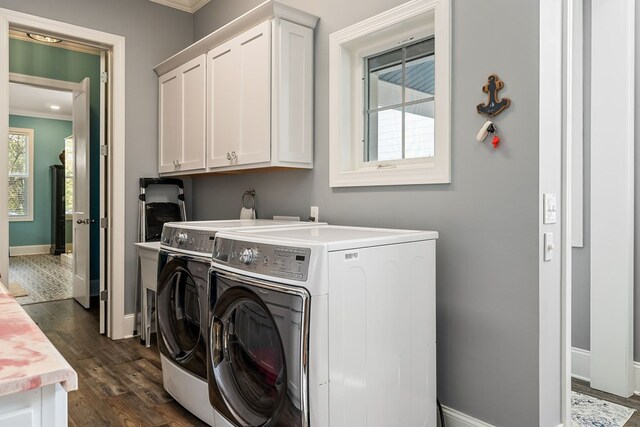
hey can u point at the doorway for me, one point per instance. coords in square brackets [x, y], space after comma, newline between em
[61, 113]
[598, 173]
[112, 250]
[40, 193]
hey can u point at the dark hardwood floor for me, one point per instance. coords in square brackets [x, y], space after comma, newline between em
[119, 382]
[632, 402]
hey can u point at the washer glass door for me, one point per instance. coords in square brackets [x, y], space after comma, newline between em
[179, 311]
[249, 352]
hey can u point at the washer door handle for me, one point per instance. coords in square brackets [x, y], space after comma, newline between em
[218, 332]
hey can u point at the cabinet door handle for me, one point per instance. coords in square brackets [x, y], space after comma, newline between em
[234, 155]
[228, 156]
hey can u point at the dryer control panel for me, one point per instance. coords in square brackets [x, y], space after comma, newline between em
[287, 262]
[184, 239]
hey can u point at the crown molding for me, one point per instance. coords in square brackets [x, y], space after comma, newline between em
[190, 6]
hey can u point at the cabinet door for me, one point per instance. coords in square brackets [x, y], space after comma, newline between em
[223, 119]
[170, 132]
[239, 117]
[293, 94]
[182, 118]
[194, 104]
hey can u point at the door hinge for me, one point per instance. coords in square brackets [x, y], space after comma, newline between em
[104, 77]
[104, 222]
[104, 295]
[104, 150]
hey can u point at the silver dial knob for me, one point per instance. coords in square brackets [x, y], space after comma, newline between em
[246, 256]
[181, 238]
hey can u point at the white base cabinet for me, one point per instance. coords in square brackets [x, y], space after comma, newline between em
[41, 407]
[259, 96]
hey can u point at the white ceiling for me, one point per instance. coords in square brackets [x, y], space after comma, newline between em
[33, 101]
[185, 5]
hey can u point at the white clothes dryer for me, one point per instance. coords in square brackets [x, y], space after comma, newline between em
[182, 306]
[323, 326]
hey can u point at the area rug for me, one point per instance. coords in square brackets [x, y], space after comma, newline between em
[16, 290]
[587, 411]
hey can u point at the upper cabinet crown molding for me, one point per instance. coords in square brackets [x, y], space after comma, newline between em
[268, 10]
[190, 6]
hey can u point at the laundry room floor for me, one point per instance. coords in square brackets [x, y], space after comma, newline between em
[119, 382]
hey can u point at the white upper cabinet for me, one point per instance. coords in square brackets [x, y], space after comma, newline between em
[239, 100]
[182, 118]
[255, 97]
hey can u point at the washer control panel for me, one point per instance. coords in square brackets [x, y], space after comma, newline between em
[188, 240]
[271, 260]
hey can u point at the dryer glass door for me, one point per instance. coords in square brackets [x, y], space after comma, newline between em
[256, 357]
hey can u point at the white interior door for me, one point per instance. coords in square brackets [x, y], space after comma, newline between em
[81, 219]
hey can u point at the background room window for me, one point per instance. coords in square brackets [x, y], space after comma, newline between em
[68, 175]
[390, 98]
[20, 174]
[400, 114]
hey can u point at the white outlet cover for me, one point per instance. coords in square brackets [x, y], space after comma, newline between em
[550, 208]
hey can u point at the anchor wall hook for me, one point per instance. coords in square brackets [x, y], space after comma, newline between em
[494, 105]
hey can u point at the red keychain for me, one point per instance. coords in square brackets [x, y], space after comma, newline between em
[495, 141]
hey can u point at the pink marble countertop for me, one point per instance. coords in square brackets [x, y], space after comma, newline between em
[28, 360]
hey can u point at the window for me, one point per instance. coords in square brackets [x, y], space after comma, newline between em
[68, 175]
[389, 98]
[399, 115]
[20, 174]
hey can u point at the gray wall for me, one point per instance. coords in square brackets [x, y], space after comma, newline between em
[153, 33]
[487, 291]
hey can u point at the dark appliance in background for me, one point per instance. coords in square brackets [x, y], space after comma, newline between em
[58, 214]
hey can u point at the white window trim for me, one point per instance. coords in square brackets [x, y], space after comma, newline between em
[30, 160]
[347, 48]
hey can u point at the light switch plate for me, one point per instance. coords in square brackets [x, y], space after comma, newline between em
[550, 208]
[549, 246]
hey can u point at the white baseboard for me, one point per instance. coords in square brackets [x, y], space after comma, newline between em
[66, 259]
[29, 250]
[581, 367]
[129, 325]
[454, 418]
[580, 364]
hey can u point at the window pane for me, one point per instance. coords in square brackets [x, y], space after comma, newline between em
[18, 196]
[68, 195]
[385, 60]
[420, 49]
[385, 135]
[18, 154]
[68, 175]
[385, 86]
[419, 130]
[420, 78]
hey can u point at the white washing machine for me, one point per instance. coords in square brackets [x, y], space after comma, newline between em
[323, 326]
[183, 304]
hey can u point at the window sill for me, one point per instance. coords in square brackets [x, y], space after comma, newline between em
[21, 218]
[401, 174]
